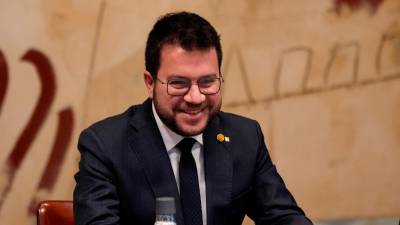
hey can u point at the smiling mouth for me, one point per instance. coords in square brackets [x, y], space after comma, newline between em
[193, 112]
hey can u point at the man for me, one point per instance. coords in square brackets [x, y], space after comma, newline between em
[178, 143]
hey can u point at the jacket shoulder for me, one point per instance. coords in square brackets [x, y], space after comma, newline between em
[115, 125]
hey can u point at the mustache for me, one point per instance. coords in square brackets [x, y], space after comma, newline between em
[188, 107]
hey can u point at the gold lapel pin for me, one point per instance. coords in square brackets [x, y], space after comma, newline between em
[222, 138]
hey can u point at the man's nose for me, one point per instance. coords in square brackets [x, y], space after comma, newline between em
[194, 95]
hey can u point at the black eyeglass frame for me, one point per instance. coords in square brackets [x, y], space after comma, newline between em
[220, 78]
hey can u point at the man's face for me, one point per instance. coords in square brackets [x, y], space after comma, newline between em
[188, 114]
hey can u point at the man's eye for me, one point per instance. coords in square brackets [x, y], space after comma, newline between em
[206, 82]
[178, 83]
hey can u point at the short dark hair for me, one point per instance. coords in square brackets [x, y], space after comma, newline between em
[186, 29]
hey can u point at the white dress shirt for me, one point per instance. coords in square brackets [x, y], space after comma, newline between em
[171, 139]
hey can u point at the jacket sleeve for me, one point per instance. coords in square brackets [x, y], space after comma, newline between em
[272, 202]
[95, 196]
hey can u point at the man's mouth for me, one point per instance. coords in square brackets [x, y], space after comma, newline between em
[193, 111]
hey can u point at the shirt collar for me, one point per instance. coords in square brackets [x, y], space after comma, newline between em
[170, 138]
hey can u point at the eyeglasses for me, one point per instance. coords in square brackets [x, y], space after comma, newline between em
[208, 85]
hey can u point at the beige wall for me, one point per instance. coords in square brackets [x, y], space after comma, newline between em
[322, 77]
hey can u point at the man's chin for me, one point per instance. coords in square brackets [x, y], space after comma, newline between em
[190, 130]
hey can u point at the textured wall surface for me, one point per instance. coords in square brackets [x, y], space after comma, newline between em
[322, 77]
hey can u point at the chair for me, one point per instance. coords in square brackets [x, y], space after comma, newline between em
[55, 213]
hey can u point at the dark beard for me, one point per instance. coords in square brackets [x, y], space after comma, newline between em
[171, 123]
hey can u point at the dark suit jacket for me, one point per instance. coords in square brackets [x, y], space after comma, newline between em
[124, 166]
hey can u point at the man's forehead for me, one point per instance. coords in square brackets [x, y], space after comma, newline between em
[175, 55]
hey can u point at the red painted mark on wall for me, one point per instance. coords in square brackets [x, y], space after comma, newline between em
[3, 78]
[59, 149]
[57, 156]
[63, 136]
[356, 4]
[48, 87]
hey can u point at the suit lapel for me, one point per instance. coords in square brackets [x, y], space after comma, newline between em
[147, 144]
[218, 172]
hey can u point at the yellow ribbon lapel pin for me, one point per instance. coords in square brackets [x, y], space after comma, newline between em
[222, 138]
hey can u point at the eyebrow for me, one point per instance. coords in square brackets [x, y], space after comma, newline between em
[176, 76]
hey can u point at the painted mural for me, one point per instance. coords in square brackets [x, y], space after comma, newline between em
[322, 78]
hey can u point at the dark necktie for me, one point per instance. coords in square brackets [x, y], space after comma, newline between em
[189, 184]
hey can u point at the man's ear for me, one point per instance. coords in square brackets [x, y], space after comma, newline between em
[149, 82]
